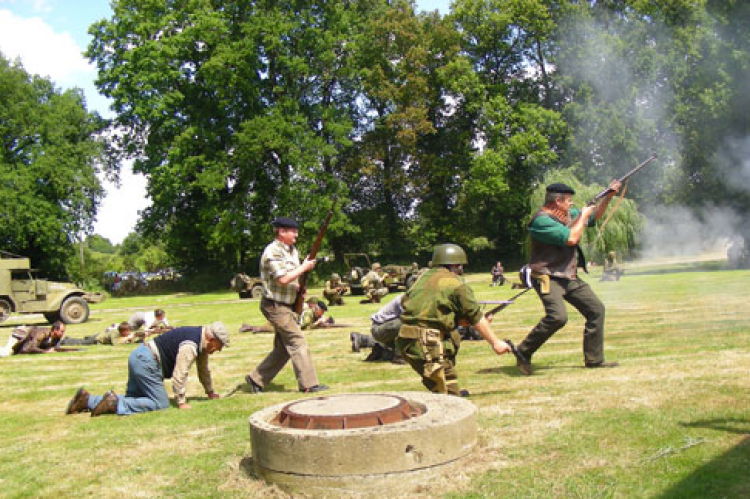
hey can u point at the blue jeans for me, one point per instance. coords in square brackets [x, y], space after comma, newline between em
[145, 391]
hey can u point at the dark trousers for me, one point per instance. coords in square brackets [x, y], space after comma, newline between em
[582, 297]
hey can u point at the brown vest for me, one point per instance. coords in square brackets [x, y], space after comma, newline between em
[556, 261]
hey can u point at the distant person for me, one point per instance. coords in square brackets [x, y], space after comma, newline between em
[335, 290]
[279, 270]
[35, 340]
[498, 274]
[385, 324]
[116, 334]
[556, 229]
[611, 270]
[313, 316]
[153, 323]
[168, 356]
[373, 284]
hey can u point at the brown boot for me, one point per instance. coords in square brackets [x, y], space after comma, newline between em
[108, 405]
[79, 402]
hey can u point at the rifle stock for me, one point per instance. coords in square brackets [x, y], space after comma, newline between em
[622, 179]
[302, 280]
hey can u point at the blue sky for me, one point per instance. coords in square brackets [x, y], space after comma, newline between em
[49, 36]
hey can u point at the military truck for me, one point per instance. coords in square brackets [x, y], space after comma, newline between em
[246, 286]
[22, 293]
[400, 276]
[397, 277]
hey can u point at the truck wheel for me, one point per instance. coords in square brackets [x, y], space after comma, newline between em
[5, 310]
[74, 310]
[257, 291]
[52, 316]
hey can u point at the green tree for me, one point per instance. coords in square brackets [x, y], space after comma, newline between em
[50, 155]
[233, 111]
[623, 227]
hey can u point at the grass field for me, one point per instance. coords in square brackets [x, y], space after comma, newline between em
[672, 422]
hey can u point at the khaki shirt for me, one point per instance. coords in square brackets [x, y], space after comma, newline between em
[372, 280]
[277, 260]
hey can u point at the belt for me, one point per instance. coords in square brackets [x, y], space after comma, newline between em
[416, 332]
[275, 302]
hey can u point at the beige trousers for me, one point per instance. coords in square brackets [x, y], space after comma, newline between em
[288, 343]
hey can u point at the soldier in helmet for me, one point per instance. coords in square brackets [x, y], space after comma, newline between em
[335, 290]
[433, 307]
[373, 284]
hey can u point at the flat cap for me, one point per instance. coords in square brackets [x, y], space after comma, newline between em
[560, 188]
[322, 306]
[285, 222]
[219, 332]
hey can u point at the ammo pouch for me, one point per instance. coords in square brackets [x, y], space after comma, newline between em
[431, 343]
[543, 280]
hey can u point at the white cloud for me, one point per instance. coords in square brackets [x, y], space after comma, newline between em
[118, 213]
[42, 50]
[45, 52]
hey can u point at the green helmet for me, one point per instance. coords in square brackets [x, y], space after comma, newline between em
[335, 277]
[449, 254]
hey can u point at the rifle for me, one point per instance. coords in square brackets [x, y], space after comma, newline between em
[502, 304]
[302, 280]
[625, 177]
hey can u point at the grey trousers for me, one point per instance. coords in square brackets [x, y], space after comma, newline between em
[386, 332]
[288, 343]
[582, 297]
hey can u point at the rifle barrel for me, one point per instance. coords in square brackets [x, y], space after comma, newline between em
[622, 179]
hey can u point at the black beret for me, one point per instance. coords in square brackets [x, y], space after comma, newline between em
[322, 306]
[560, 189]
[284, 222]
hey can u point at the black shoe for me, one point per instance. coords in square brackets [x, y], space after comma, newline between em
[316, 388]
[464, 393]
[108, 405]
[398, 360]
[79, 402]
[254, 387]
[355, 342]
[523, 362]
[602, 364]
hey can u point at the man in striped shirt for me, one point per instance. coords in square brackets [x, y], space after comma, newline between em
[279, 270]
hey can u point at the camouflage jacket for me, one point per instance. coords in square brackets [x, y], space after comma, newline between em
[438, 300]
[37, 340]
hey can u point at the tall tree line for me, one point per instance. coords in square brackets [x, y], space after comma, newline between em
[426, 128]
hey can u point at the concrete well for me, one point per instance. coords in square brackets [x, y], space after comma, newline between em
[427, 440]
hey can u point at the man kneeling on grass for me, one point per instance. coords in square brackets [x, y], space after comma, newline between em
[167, 356]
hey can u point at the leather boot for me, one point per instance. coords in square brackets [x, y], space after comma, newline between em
[354, 337]
[108, 405]
[79, 402]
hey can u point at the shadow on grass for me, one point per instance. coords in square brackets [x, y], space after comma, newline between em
[247, 466]
[513, 371]
[726, 475]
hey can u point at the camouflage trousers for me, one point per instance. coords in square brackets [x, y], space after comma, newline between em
[334, 298]
[375, 294]
[432, 358]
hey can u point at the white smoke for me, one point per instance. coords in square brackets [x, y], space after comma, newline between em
[682, 232]
[733, 161]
